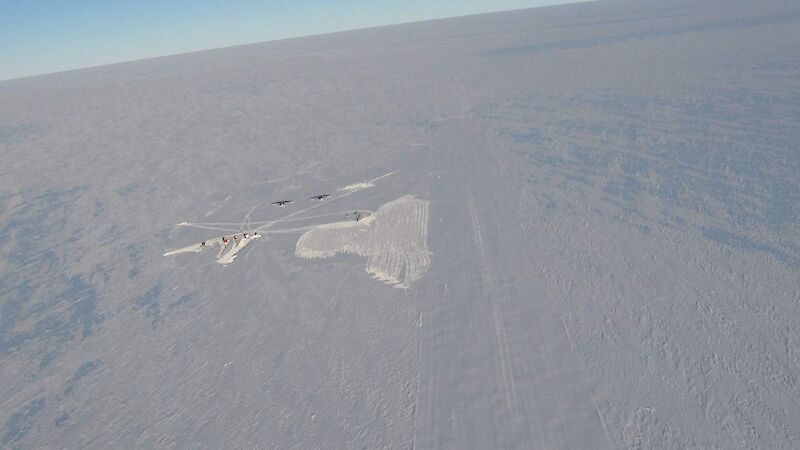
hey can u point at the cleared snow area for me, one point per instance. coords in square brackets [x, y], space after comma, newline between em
[393, 240]
[236, 247]
[395, 247]
[227, 252]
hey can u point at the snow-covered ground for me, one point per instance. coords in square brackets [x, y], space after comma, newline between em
[593, 209]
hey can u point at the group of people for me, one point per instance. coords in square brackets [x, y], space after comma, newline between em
[236, 238]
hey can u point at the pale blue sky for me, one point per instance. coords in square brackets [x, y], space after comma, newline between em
[43, 36]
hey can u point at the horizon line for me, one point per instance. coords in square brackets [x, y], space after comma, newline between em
[286, 38]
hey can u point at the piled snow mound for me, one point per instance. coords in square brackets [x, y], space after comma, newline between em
[393, 240]
[194, 248]
[228, 257]
[356, 186]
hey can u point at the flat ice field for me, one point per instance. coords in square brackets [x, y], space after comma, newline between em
[574, 227]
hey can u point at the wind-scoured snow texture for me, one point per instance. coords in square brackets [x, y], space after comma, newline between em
[393, 240]
[614, 212]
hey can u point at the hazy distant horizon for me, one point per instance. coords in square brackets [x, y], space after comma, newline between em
[57, 38]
